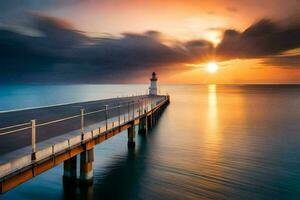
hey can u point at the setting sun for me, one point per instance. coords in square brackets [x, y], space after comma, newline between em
[212, 67]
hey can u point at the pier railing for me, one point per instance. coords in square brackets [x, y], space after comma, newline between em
[84, 124]
[51, 143]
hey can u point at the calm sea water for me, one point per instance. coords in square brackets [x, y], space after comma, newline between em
[212, 142]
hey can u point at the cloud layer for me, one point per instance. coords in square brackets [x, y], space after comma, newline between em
[59, 53]
[263, 38]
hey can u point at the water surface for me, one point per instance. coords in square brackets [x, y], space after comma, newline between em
[212, 142]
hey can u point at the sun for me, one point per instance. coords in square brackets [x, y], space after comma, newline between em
[212, 67]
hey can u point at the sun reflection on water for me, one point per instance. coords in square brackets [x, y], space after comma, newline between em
[213, 138]
[212, 108]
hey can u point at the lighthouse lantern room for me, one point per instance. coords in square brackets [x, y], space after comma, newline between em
[153, 85]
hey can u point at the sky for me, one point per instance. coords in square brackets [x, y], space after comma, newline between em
[118, 41]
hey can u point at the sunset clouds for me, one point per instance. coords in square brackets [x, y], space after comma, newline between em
[54, 42]
[61, 53]
[263, 38]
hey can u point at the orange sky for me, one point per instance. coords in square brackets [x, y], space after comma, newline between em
[237, 72]
[180, 31]
[182, 19]
[186, 20]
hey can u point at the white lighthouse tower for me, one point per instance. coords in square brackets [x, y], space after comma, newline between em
[153, 85]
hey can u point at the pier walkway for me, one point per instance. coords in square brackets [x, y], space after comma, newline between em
[35, 140]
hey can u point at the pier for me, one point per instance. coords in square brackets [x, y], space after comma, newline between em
[35, 140]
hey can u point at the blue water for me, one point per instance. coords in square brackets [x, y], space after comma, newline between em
[24, 96]
[212, 142]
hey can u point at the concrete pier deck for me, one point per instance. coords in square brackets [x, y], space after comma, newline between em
[22, 139]
[64, 131]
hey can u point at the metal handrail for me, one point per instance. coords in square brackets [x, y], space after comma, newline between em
[110, 108]
[126, 103]
[93, 112]
[14, 131]
[51, 122]
[14, 126]
[56, 121]
[154, 103]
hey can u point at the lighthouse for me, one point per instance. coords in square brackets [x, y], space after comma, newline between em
[153, 85]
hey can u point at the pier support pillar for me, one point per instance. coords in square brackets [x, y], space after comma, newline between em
[70, 169]
[86, 167]
[143, 127]
[157, 115]
[131, 137]
[149, 122]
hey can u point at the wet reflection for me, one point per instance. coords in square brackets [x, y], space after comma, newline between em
[212, 108]
[86, 192]
[69, 190]
[123, 179]
[213, 137]
[77, 191]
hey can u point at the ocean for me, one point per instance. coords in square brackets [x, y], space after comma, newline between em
[212, 142]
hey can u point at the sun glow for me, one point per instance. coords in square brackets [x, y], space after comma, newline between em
[212, 67]
[214, 37]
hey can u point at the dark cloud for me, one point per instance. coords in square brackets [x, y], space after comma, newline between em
[133, 51]
[62, 54]
[262, 39]
[199, 48]
[289, 61]
[57, 31]
[198, 43]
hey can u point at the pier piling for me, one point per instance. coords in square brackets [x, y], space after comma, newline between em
[143, 129]
[86, 167]
[131, 136]
[70, 171]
